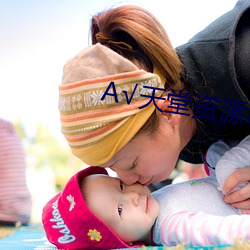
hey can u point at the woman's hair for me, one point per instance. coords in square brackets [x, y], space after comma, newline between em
[137, 35]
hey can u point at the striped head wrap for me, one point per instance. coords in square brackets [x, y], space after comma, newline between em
[97, 128]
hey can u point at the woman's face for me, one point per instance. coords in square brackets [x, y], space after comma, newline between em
[148, 159]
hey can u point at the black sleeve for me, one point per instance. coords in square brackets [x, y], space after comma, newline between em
[217, 58]
[217, 63]
[242, 53]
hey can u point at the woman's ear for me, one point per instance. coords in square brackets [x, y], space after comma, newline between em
[168, 112]
[164, 105]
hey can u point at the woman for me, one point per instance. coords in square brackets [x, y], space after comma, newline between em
[201, 101]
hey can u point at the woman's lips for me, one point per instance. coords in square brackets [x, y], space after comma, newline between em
[149, 182]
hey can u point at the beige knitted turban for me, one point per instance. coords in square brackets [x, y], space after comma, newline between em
[95, 127]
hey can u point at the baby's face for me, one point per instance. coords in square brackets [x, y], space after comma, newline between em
[130, 211]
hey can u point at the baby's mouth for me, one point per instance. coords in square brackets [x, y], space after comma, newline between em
[147, 203]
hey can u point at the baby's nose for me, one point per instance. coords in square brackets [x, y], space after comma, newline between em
[133, 197]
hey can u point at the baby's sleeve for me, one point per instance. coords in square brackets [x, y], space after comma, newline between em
[233, 159]
[214, 153]
[201, 229]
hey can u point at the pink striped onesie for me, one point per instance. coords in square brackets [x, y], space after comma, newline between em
[194, 212]
[15, 199]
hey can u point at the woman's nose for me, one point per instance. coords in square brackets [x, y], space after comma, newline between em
[126, 177]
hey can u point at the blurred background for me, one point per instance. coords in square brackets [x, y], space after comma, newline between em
[36, 40]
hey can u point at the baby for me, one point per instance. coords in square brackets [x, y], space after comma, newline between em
[96, 211]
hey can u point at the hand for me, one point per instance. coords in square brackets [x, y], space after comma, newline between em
[241, 197]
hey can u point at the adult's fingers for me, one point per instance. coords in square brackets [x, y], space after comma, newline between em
[239, 198]
[245, 211]
[239, 176]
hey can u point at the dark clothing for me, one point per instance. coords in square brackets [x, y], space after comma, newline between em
[217, 65]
